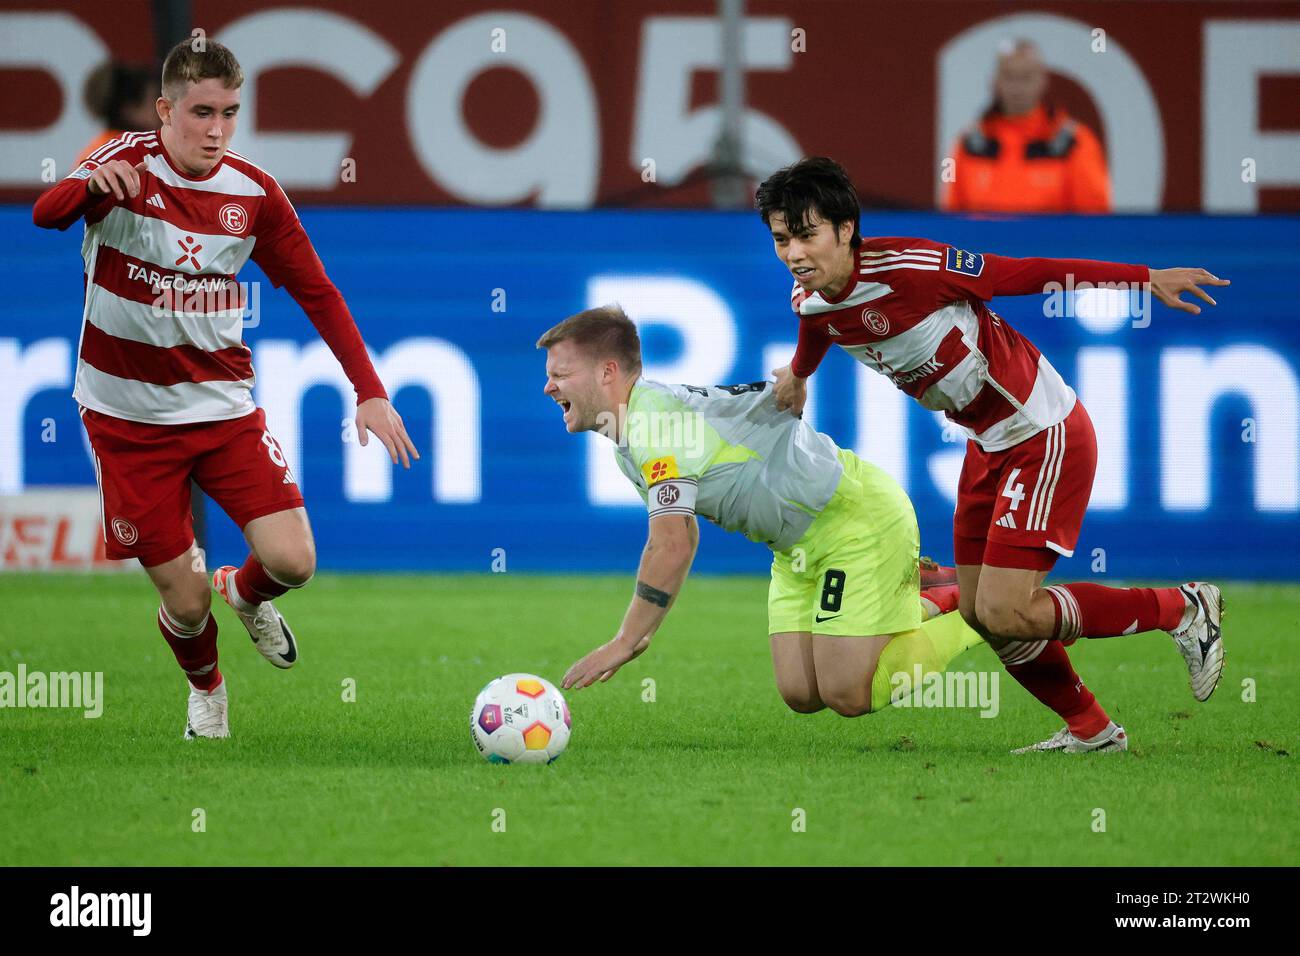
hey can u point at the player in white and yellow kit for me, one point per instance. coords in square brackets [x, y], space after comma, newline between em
[844, 608]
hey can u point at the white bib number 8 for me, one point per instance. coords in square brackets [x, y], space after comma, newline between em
[273, 450]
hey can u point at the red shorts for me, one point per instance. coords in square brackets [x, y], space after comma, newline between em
[1022, 507]
[144, 474]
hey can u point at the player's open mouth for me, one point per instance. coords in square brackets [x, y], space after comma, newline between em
[565, 405]
[804, 272]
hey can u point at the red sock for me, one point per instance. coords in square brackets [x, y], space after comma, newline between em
[195, 649]
[1050, 677]
[255, 585]
[943, 597]
[1094, 610]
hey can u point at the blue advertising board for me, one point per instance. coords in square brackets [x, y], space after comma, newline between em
[1198, 417]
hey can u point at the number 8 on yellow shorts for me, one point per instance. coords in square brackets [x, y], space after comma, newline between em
[854, 572]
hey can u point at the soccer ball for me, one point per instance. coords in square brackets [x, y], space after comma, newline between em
[520, 718]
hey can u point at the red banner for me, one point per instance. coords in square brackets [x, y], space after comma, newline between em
[589, 102]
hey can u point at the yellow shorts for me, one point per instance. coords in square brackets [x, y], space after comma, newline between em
[854, 572]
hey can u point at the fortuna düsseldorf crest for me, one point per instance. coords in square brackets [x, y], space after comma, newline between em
[233, 218]
[875, 321]
[124, 531]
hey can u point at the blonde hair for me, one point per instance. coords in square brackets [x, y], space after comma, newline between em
[603, 332]
[185, 65]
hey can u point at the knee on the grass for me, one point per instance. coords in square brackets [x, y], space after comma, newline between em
[802, 701]
[849, 700]
[849, 705]
[849, 696]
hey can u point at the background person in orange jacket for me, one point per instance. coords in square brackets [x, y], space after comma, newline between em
[124, 98]
[1024, 154]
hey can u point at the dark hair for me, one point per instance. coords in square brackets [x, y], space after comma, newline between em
[112, 87]
[603, 332]
[814, 187]
[185, 65]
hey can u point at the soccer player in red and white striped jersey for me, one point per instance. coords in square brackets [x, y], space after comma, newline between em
[164, 381]
[916, 311]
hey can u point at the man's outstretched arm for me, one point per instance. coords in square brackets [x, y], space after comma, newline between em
[990, 275]
[286, 255]
[665, 563]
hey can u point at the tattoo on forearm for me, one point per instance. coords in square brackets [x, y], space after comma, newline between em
[646, 593]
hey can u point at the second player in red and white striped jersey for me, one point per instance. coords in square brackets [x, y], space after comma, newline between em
[916, 311]
[162, 327]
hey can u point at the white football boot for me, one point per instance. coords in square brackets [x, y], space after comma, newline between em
[1111, 740]
[265, 625]
[1200, 641]
[207, 713]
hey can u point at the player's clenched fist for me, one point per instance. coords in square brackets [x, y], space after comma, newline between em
[118, 177]
[791, 391]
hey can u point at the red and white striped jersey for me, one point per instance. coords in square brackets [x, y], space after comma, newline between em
[162, 324]
[915, 310]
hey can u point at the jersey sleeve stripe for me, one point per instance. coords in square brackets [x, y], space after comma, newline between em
[899, 265]
[115, 146]
[881, 253]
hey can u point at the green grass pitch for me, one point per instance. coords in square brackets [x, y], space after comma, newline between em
[710, 772]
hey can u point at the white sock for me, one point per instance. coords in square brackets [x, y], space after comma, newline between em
[1019, 652]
